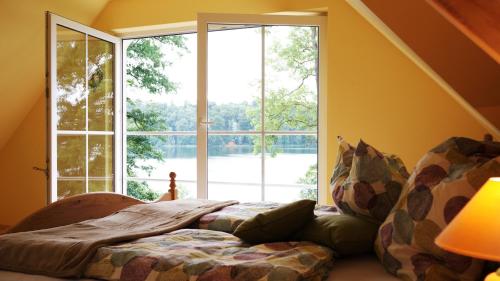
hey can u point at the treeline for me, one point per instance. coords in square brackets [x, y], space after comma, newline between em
[225, 117]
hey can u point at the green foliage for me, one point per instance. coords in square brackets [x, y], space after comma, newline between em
[146, 63]
[141, 190]
[310, 178]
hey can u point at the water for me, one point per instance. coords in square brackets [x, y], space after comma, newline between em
[235, 173]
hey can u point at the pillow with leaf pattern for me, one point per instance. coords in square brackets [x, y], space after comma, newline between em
[373, 185]
[442, 183]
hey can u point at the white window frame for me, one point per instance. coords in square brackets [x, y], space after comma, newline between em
[120, 132]
[204, 19]
[52, 22]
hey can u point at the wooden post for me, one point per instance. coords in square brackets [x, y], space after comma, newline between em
[172, 186]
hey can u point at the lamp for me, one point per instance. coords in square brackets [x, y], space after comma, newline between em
[475, 231]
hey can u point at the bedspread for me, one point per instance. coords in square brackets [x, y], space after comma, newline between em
[64, 251]
[198, 254]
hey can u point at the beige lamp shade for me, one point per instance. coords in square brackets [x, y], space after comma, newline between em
[475, 231]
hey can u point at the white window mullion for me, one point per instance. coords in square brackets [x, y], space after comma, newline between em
[201, 138]
[262, 113]
[87, 92]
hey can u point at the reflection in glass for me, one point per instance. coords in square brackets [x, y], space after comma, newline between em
[234, 169]
[234, 74]
[101, 84]
[70, 187]
[291, 168]
[100, 159]
[71, 156]
[100, 185]
[71, 80]
[291, 91]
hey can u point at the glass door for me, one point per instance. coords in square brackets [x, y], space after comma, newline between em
[84, 102]
[260, 107]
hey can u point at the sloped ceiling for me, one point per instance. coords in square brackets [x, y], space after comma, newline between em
[464, 65]
[22, 52]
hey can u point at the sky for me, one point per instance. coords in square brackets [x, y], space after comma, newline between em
[234, 68]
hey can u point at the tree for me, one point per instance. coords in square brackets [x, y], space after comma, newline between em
[146, 63]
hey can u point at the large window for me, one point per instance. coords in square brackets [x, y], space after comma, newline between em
[234, 108]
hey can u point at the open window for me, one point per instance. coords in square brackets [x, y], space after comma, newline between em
[236, 106]
[84, 82]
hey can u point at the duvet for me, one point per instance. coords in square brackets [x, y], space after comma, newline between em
[199, 254]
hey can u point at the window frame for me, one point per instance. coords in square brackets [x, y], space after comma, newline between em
[199, 27]
[203, 20]
[53, 21]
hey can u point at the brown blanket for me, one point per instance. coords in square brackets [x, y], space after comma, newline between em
[65, 251]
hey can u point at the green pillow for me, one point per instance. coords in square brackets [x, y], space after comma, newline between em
[279, 224]
[347, 235]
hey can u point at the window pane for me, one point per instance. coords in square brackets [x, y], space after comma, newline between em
[234, 74]
[291, 168]
[100, 185]
[69, 187]
[71, 156]
[234, 167]
[101, 84]
[71, 79]
[160, 86]
[291, 88]
[100, 156]
[157, 156]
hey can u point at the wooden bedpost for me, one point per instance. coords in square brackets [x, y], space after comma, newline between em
[172, 186]
[488, 138]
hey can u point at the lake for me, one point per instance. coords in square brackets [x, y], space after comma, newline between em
[235, 173]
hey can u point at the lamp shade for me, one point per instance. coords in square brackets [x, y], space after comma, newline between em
[475, 231]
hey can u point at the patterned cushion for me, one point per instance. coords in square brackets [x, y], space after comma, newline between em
[373, 185]
[442, 183]
[342, 167]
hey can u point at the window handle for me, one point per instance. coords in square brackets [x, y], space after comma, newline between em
[45, 171]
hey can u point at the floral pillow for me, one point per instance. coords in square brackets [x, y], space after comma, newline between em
[342, 166]
[442, 183]
[373, 185]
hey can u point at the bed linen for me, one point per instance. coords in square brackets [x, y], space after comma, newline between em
[362, 268]
[228, 218]
[199, 254]
[65, 251]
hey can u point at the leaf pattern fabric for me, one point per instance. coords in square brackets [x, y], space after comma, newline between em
[371, 184]
[442, 183]
[198, 254]
[227, 219]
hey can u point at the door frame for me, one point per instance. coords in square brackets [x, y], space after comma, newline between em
[53, 21]
[203, 20]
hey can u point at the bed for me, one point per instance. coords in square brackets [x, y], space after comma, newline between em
[203, 250]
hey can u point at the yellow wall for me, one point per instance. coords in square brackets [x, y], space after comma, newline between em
[22, 102]
[374, 91]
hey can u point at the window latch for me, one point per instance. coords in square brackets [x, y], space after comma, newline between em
[45, 171]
